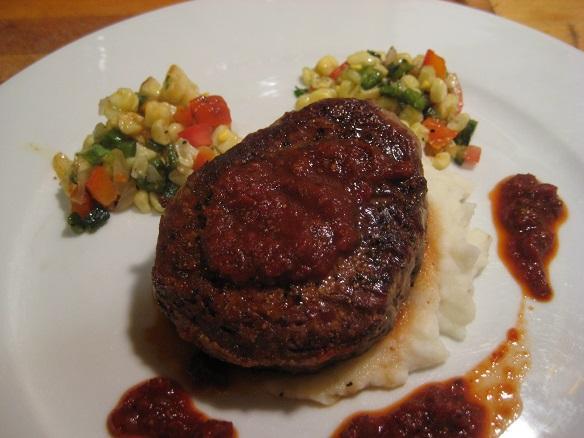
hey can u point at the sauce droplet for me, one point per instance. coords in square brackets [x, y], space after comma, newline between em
[527, 214]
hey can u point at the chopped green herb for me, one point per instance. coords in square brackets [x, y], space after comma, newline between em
[464, 136]
[300, 91]
[374, 53]
[97, 217]
[150, 186]
[95, 154]
[370, 77]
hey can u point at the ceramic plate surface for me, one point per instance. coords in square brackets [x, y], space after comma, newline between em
[73, 310]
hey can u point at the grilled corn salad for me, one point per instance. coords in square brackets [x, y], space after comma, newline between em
[152, 141]
[420, 90]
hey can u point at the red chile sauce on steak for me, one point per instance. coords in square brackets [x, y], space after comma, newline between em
[289, 216]
[527, 214]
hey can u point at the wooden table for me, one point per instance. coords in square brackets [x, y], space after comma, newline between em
[31, 29]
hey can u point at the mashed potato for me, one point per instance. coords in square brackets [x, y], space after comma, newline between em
[440, 303]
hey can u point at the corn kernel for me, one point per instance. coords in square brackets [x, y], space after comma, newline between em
[130, 123]
[458, 122]
[326, 65]
[421, 132]
[154, 110]
[159, 131]
[174, 129]
[411, 115]
[155, 202]
[150, 88]
[321, 82]
[448, 107]
[177, 88]
[438, 90]
[362, 58]
[426, 77]
[142, 202]
[441, 160]
[307, 75]
[124, 100]
[410, 81]
[302, 101]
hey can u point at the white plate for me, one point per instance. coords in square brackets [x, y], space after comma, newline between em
[73, 310]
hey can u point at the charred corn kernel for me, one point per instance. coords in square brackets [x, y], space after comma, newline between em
[155, 202]
[438, 90]
[174, 129]
[421, 132]
[448, 107]
[160, 133]
[411, 115]
[154, 110]
[326, 65]
[177, 88]
[142, 202]
[362, 58]
[124, 100]
[426, 77]
[441, 160]
[410, 81]
[321, 82]
[387, 103]
[458, 122]
[130, 123]
[372, 93]
[150, 88]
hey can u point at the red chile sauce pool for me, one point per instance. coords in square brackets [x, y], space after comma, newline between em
[527, 214]
[160, 408]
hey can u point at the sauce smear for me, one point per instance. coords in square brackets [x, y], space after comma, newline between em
[527, 214]
[160, 408]
[482, 403]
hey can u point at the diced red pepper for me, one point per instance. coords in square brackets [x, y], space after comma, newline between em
[437, 62]
[339, 71]
[472, 155]
[204, 154]
[101, 187]
[184, 116]
[210, 110]
[199, 134]
[440, 136]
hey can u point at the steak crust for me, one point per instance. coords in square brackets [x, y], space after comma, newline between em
[307, 323]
